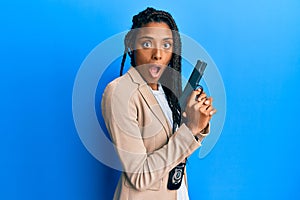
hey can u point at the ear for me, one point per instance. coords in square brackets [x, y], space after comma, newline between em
[131, 47]
[130, 51]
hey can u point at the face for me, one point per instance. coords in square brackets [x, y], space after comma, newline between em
[153, 45]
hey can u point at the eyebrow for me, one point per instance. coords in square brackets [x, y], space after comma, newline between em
[151, 38]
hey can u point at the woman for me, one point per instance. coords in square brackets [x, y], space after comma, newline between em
[143, 116]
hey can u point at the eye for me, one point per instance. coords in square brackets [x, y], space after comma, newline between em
[167, 45]
[147, 44]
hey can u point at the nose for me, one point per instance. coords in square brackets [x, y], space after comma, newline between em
[156, 54]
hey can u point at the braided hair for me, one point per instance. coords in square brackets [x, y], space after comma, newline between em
[172, 86]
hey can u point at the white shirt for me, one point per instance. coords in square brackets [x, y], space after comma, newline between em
[182, 193]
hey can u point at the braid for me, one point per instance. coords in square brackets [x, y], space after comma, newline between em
[174, 106]
[122, 63]
[172, 86]
[127, 43]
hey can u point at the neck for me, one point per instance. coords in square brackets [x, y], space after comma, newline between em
[154, 86]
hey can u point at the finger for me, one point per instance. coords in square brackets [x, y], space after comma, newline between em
[212, 112]
[197, 106]
[200, 89]
[201, 97]
[191, 99]
[201, 102]
[203, 109]
[208, 101]
[209, 108]
[184, 114]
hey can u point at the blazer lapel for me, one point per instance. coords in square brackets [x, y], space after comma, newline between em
[150, 99]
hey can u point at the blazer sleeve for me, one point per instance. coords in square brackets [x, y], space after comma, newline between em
[141, 168]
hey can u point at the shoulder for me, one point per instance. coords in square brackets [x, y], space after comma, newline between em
[120, 85]
[120, 92]
[126, 84]
[119, 98]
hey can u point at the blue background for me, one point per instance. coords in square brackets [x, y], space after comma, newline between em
[255, 44]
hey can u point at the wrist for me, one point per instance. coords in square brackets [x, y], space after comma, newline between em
[202, 134]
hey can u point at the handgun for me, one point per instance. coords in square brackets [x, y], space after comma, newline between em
[193, 82]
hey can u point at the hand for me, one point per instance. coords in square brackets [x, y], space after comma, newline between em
[198, 111]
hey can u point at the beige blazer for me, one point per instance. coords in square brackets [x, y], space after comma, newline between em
[143, 139]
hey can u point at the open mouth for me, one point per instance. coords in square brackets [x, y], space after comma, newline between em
[155, 71]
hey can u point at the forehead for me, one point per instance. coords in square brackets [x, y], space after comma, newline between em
[156, 30]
